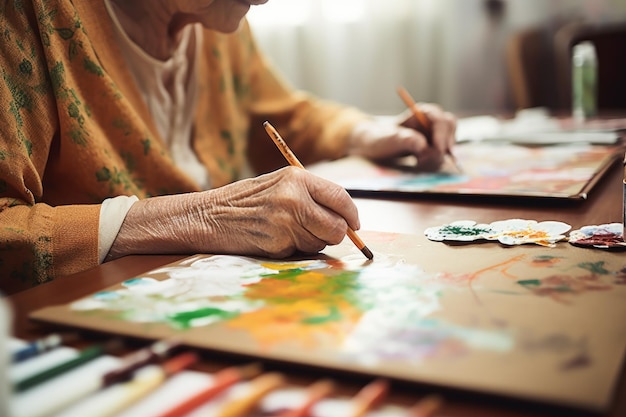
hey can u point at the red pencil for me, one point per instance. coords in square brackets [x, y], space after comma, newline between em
[223, 380]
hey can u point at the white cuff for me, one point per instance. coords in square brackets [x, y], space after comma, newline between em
[112, 215]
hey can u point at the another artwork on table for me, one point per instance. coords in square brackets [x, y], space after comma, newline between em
[603, 236]
[526, 322]
[490, 169]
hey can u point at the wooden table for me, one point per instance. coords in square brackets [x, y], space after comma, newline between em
[604, 205]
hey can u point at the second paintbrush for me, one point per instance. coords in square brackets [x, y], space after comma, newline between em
[293, 161]
[423, 120]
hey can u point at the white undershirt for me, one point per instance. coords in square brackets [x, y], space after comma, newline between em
[169, 89]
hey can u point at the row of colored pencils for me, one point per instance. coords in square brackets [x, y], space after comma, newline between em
[116, 384]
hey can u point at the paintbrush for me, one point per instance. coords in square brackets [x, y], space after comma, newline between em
[293, 161]
[423, 120]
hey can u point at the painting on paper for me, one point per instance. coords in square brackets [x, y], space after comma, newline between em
[527, 322]
[491, 169]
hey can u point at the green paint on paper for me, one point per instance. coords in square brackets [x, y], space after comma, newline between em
[594, 267]
[184, 320]
[530, 282]
[285, 274]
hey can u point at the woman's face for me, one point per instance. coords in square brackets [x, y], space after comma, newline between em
[220, 15]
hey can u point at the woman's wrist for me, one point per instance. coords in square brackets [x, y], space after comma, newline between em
[161, 225]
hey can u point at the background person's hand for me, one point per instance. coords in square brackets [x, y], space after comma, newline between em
[386, 138]
[272, 215]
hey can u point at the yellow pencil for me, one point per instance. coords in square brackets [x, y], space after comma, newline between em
[293, 161]
[259, 388]
[423, 120]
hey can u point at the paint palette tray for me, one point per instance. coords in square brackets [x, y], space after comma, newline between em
[507, 232]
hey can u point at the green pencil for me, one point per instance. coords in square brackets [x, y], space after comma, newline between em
[83, 357]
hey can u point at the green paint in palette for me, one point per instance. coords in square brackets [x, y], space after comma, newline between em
[463, 231]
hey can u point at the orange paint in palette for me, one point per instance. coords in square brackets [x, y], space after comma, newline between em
[539, 237]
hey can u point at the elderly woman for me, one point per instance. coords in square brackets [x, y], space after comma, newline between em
[133, 127]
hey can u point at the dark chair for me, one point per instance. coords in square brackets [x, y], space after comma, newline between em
[539, 62]
[610, 44]
[530, 64]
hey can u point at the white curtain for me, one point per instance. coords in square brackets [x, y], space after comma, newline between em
[446, 51]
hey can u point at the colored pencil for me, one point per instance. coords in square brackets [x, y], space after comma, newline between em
[259, 388]
[154, 353]
[223, 380]
[130, 364]
[369, 397]
[316, 392]
[119, 397]
[83, 357]
[37, 347]
[293, 161]
[423, 120]
[426, 407]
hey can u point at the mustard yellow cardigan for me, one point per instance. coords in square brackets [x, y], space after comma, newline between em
[74, 130]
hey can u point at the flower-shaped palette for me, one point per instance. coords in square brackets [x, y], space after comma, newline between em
[603, 236]
[507, 232]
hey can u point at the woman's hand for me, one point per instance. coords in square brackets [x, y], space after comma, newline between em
[272, 215]
[380, 139]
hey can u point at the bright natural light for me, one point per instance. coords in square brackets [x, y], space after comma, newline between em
[280, 13]
[344, 11]
[295, 13]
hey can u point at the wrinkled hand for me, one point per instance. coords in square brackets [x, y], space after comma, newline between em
[272, 215]
[379, 139]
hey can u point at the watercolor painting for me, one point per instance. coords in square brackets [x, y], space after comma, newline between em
[493, 169]
[528, 322]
